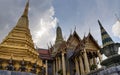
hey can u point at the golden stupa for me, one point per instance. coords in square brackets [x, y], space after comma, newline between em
[18, 46]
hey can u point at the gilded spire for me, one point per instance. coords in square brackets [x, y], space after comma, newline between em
[25, 13]
[106, 39]
[19, 41]
[23, 22]
[59, 37]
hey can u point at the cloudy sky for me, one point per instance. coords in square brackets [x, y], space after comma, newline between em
[44, 15]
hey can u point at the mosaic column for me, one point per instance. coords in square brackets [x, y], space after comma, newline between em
[81, 66]
[91, 61]
[59, 63]
[56, 65]
[87, 68]
[53, 67]
[95, 61]
[46, 62]
[77, 67]
[63, 64]
[99, 55]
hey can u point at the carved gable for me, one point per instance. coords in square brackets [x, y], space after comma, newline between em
[73, 41]
[91, 44]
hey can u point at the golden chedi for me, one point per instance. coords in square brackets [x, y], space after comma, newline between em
[18, 48]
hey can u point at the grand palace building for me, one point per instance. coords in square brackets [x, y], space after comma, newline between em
[74, 56]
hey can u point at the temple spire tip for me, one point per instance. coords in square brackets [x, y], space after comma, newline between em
[25, 13]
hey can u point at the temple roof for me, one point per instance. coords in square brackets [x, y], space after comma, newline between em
[85, 43]
[63, 45]
[95, 42]
[74, 35]
[44, 54]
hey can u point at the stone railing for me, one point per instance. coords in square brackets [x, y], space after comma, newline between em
[5, 72]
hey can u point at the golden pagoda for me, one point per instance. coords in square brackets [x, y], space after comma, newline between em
[18, 46]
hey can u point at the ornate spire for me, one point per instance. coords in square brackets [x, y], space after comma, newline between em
[25, 13]
[106, 39]
[59, 37]
[19, 41]
[23, 21]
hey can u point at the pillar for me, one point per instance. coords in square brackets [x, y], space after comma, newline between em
[95, 61]
[99, 55]
[77, 67]
[87, 68]
[81, 66]
[53, 67]
[57, 64]
[91, 61]
[68, 69]
[63, 64]
[46, 62]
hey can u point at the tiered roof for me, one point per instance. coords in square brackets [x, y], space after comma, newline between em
[44, 54]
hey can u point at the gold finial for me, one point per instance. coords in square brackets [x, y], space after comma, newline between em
[75, 28]
[71, 32]
[25, 13]
[89, 30]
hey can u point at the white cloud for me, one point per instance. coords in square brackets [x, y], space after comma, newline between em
[43, 32]
[116, 29]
